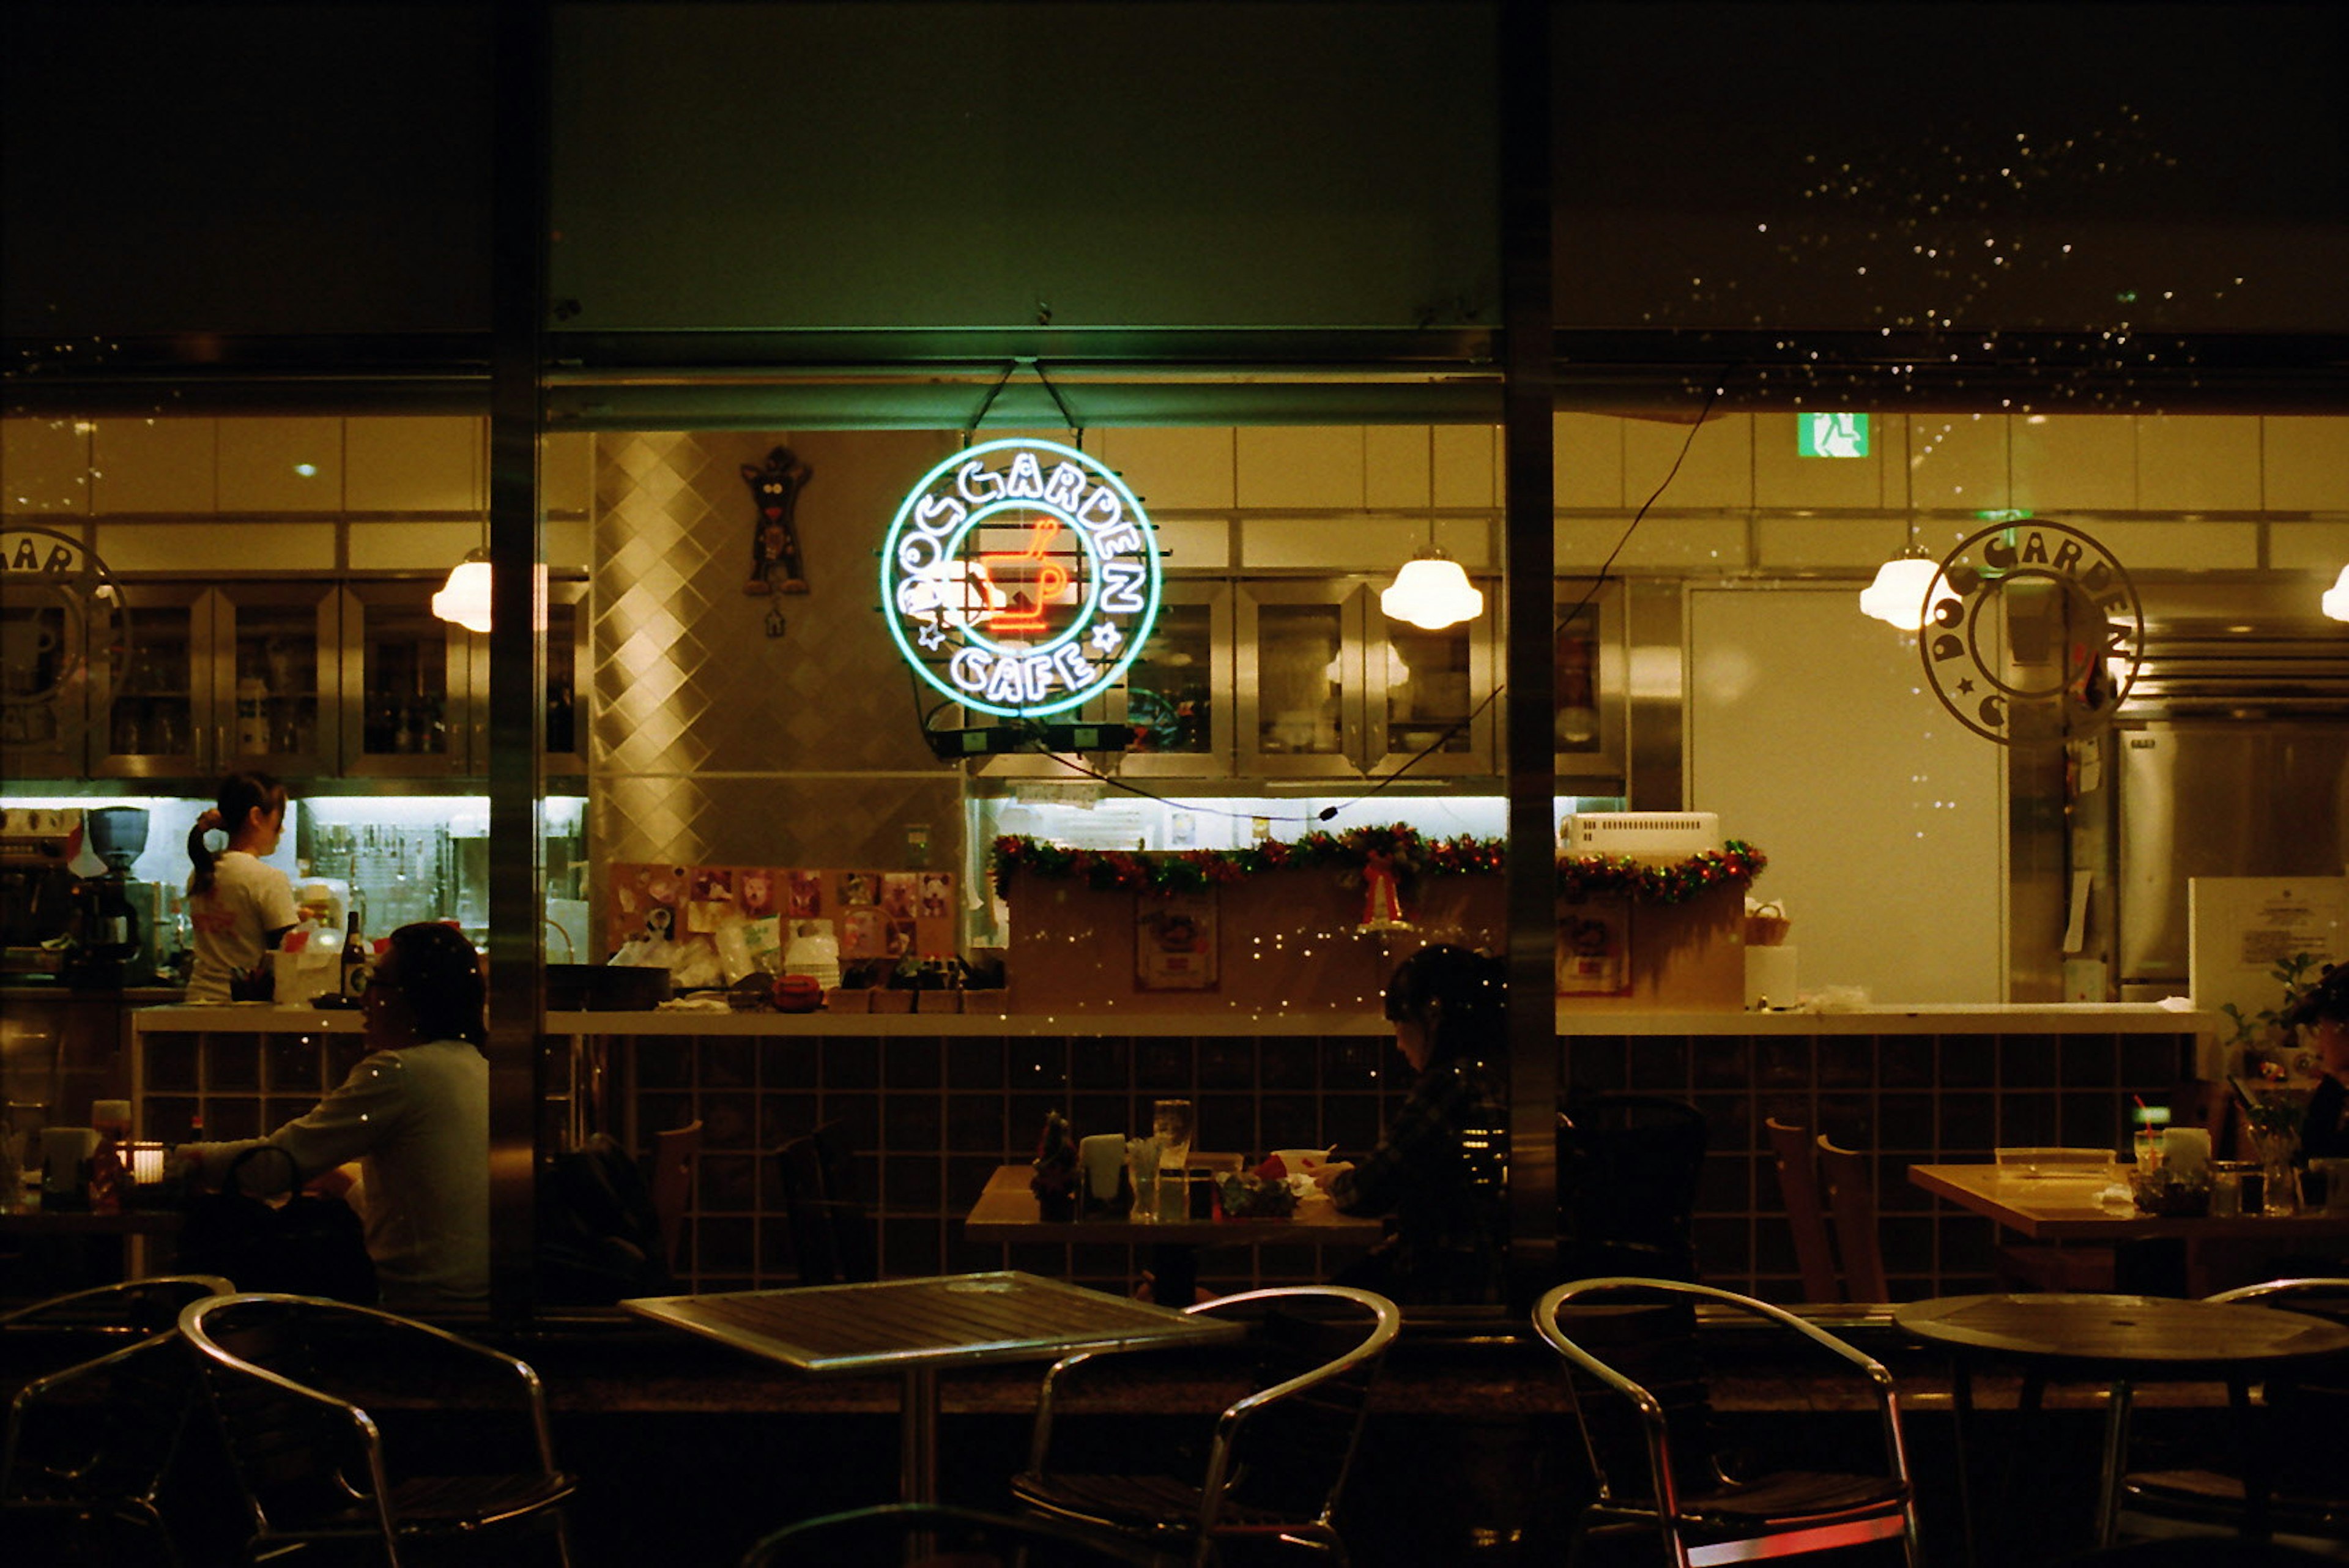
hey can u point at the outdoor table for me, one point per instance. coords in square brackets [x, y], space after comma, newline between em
[1006, 1212]
[2153, 1252]
[916, 1326]
[2119, 1339]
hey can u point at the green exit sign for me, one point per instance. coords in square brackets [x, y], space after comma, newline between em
[1831, 435]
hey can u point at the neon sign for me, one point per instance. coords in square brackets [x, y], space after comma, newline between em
[1019, 578]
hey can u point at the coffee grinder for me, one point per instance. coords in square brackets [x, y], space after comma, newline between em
[105, 928]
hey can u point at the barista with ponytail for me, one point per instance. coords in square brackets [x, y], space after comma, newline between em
[240, 908]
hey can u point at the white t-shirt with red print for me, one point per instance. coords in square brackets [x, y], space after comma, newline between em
[249, 898]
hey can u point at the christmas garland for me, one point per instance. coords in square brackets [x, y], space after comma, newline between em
[1580, 877]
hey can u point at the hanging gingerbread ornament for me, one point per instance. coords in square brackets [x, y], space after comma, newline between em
[776, 566]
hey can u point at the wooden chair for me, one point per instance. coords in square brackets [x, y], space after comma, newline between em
[674, 1152]
[1851, 1198]
[285, 1376]
[1277, 1463]
[832, 1233]
[1628, 1170]
[1643, 1406]
[1798, 1184]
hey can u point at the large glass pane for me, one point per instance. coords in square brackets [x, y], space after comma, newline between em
[1301, 683]
[1575, 648]
[278, 684]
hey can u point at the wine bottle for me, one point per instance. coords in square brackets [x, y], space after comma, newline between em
[355, 961]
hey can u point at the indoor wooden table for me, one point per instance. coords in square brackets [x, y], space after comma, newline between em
[2119, 1340]
[915, 1326]
[1006, 1212]
[2156, 1253]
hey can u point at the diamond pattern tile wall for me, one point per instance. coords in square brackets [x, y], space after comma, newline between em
[713, 741]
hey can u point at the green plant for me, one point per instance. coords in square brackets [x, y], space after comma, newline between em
[2258, 1034]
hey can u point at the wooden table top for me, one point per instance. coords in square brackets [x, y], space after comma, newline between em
[1006, 1211]
[946, 1320]
[2121, 1332]
[2057, 1206]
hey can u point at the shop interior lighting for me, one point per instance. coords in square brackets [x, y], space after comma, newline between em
[2336, 598]
[1896, 597]
[465, 597]
[1432, 592]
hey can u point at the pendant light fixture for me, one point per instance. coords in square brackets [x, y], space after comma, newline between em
[1896, 597]
[465, 597]
[1432, 591]
[2336, 598]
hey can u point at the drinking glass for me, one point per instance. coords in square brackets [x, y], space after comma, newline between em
[1170, 1124]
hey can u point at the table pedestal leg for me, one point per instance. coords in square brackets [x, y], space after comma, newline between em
[918, 1459]
[2109, 1487]
[1961, 1419]
[1173, 1275]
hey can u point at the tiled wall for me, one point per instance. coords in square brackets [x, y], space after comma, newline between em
[934, 1118]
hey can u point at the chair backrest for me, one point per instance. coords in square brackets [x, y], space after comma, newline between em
[832, 1233]
[123, 1416]
[134, 1306]
[1286, 1447]
[2319, 1296]
[1851, 1198]
[1798, 1184]
[1640, 1387]
[674, 1150]
[1628, 1167]
[878, 1538]
[2308, 1407]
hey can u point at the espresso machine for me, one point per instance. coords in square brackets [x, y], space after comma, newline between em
[108, 951]
[37, 902]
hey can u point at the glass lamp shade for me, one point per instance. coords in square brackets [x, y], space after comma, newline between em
[2336, 598]
[465, 597]
[1431, 593]
[1896, 597]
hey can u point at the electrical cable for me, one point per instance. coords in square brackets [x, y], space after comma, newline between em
[1330, 812]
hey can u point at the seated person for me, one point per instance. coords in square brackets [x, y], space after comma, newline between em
[415, 1114]
[1437, 1168]
[2322, 1012]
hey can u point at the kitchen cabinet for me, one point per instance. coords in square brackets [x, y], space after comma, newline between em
[1590, 671]
[408, 688]
[302, 678]
[1178, 691]
[1330, 686]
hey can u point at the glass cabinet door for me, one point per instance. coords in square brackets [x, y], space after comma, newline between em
[407, 706]
[152, 710]
[1589, 664]
[47, 644]
[275, 646]
[1178, 689]
[1299, 679]
[1427, 695]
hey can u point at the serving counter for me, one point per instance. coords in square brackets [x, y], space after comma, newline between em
[936, 1103]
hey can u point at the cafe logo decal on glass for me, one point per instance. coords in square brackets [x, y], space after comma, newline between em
[1019, 578]
[57, 606]
[2032, 631]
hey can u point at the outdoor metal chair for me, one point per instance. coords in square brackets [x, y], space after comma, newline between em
[675, 1149]
[1276, 1469]
[879, 1538]
[1642, 1402]
[2306, 1494]
[285, 1376]
[87, 1452]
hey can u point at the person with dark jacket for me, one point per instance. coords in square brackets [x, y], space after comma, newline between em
[1437, 1171]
